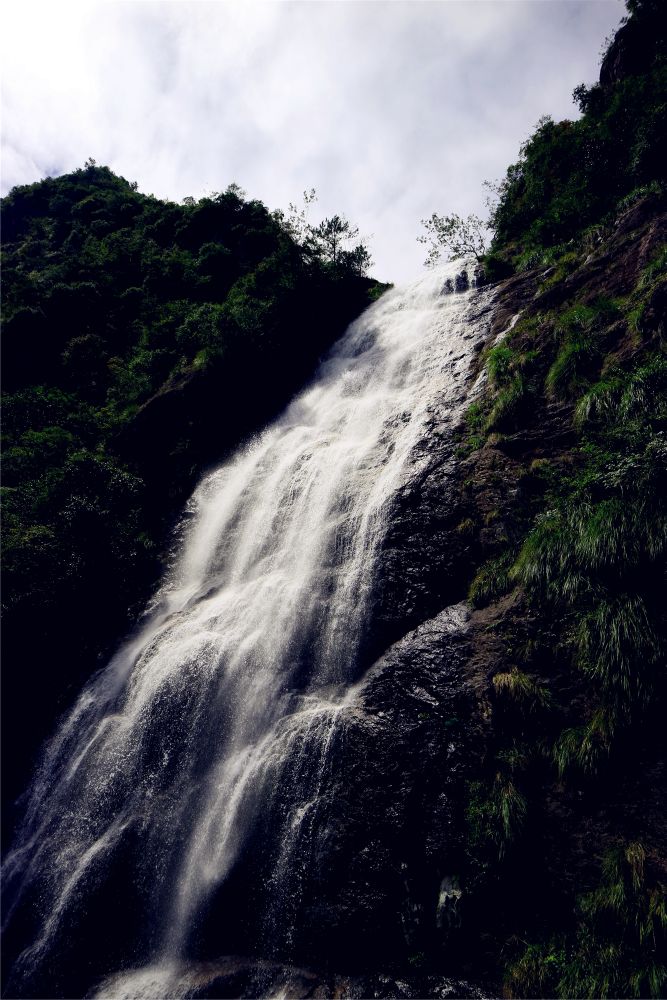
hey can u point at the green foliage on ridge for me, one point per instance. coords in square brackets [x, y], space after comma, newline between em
[572, 174]
[584, 552]
[109, 297]
[142, 340]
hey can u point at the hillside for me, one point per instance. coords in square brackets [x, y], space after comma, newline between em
[142, 340]
[563, 509]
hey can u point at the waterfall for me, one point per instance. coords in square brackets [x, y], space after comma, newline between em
[218, 716]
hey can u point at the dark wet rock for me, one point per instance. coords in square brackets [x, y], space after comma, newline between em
[462, 282]
[393, 827]
[479, 276]
[377, 887]
[422, 553]
[635, 45]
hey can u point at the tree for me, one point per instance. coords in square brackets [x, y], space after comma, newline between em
[297, 223]
[236, 190]
[358, 259]
[329, 241]
[332, 235]
[454, 236]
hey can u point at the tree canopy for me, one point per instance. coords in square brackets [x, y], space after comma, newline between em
[142, 339]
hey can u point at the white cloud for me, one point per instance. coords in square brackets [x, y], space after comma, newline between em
[391, 110]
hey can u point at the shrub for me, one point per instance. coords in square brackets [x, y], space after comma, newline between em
[580, 545]
[598, 402]
[536, 971]
[474, 416]
[572, 359]
[617, 946]
[507, 404]
[586, 746]
[580, 346]
[620, 937]
[510, 808]
[522, 689]
[491, 581]
[499, 363]
[495, 814]
[619, 647]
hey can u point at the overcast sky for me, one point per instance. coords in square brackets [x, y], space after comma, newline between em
[391, 110]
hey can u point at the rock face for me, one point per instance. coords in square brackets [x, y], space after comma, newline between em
[392, 833]
[377, 886]
[634, 46]
[237, 978]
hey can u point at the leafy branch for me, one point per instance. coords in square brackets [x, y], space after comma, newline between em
[453, 237]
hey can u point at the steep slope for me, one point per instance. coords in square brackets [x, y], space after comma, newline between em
[564, 476]
[142, 340]
[501, 794]
[565, 483]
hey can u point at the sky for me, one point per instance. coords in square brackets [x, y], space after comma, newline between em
[390, 109]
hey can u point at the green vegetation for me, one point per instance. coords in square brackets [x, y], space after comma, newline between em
[141, 341]
[573, 178]
[495, 813]
[597, 552]
[574, 411]
[587, 746]
[522, 689]
[617, 946]
[491, 581]
[507, 404]
[578, 351]
[589, 561]
[456, 237]
[111, 297]
[572, 175]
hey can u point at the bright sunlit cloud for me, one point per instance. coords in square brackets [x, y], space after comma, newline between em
[391, 110]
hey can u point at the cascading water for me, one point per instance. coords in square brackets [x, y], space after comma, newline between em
[218, 717]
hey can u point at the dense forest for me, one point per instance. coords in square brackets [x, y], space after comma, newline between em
[143, 340]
